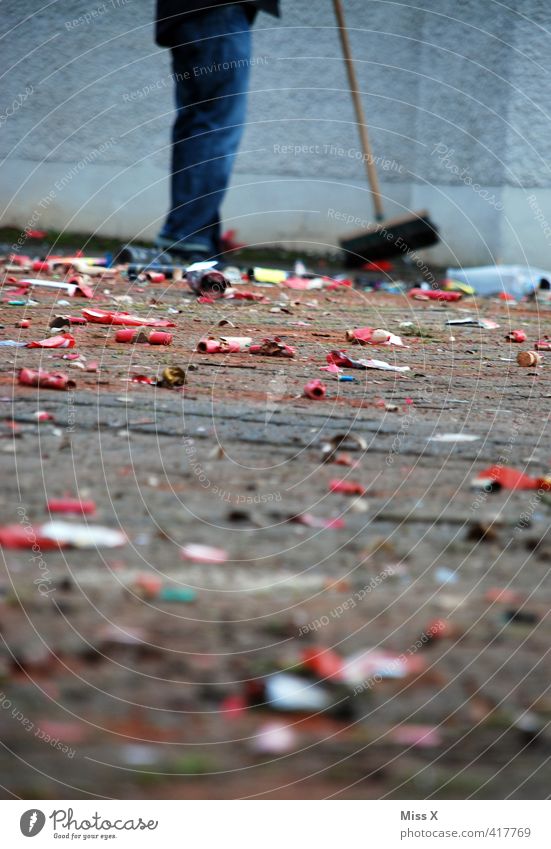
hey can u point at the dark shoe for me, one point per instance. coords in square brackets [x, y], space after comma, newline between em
[139, 255]
[193, 252]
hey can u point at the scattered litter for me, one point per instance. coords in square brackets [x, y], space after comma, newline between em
[223, 345]
[61, 534]
[341, 358]
[274, 738]
[63, 340]
[287, 692]
[529, 359]
[323, 663]
[418, 736]
[496, 477]
[203, 553]
[59, 321]
[71, 505]
[315, 390]
[209, 282]
[258, 594]
[434, 295]
[502, 595]
[64, 732]
[45, 379]
[304, 283]
[25, 536]
[312, 521]
[176, 594]
[445, 576]
[520, 617]
[484, 530]
[390, 408]
[273, 348]
[83, 536]
[346, 487]
[267, 275]
[369, 336]
[454, 437]
[529, 727]
[172, 377]
[485, 323]
[76, 287]
[516, 336]
[144, 378]
[151, 337]
[440, 629]
[344, 459]
[455, 286]
[346, 441]
[123, 318]
[234, 295]
[147, 585]
[153, 276]
[372, 664]
[20, 260]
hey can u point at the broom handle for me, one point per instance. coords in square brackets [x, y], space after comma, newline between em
[370, 168]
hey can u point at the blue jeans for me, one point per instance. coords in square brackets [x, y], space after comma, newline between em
[211, 73]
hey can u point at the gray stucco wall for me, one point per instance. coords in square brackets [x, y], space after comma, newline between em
[457, 96]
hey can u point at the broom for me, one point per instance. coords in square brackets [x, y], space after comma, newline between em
[386, 238]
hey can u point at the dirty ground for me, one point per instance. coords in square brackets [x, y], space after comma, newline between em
[109, 691]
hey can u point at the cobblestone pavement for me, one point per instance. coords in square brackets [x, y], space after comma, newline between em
[108, 691]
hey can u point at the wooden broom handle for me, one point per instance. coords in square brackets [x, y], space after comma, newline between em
[370, 168]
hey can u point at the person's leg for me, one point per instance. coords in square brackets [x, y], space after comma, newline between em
[211, 71]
